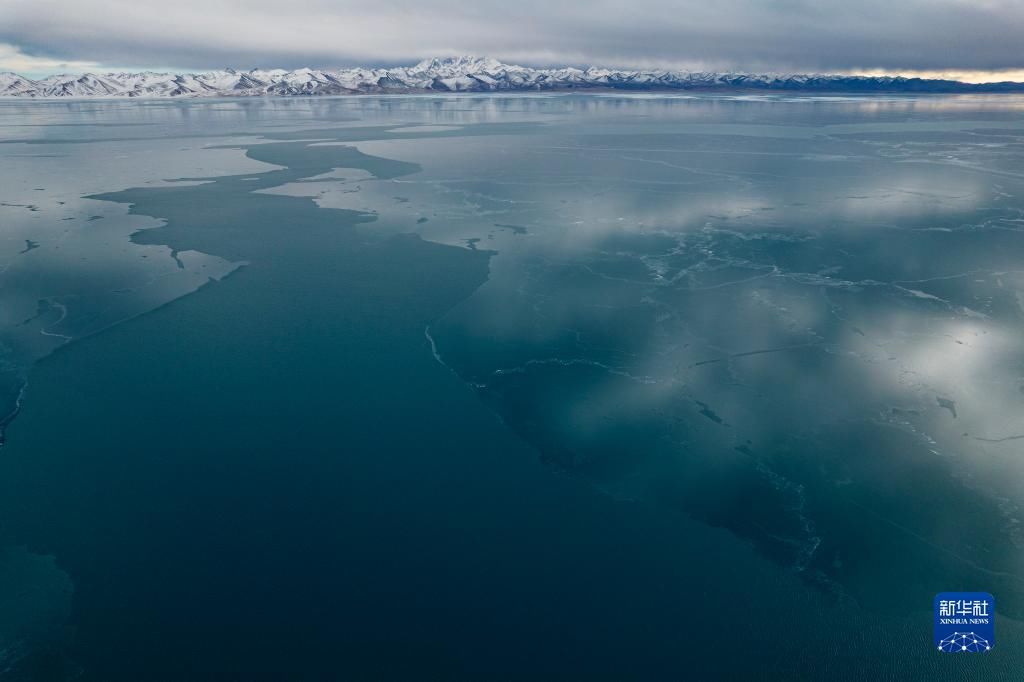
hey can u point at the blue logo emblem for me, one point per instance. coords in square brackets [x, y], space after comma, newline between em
[964, 622]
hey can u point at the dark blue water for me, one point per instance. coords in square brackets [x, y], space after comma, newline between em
[502, 388]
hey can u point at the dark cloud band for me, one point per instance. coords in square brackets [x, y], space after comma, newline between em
[782, 35]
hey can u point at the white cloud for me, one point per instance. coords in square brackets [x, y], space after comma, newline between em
[13, 59]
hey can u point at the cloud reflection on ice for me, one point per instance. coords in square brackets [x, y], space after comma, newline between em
[817, 327]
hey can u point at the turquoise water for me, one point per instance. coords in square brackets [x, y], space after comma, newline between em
[506, 387]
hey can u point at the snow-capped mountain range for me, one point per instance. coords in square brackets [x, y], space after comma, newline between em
[458, 74]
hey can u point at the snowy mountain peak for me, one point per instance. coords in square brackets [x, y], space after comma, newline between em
[455, 74]
[464, 64]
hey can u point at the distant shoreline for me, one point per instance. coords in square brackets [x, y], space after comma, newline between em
[667, 92]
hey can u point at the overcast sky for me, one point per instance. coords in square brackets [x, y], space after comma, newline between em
[46, 36]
